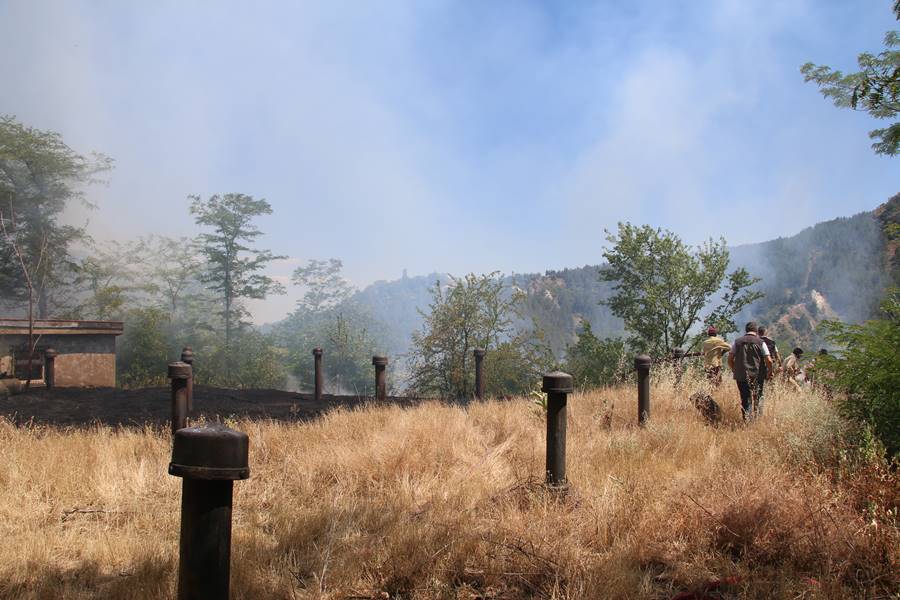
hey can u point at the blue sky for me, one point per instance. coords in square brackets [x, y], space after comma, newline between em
[454, 136]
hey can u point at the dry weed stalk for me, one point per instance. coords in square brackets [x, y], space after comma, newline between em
[446, 502]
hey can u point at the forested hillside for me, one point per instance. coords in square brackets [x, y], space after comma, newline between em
[835, 269]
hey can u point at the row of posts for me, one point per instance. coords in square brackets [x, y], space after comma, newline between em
[210, 459]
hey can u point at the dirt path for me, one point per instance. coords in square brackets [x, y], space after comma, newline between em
[109, 406]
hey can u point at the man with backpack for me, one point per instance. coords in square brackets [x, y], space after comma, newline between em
[750, 362]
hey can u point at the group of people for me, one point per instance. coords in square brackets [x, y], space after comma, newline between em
[753, 359]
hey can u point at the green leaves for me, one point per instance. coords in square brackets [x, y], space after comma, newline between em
[233, 267]
[661, 286]
[875, 89]
[476, 311]
[867, 371]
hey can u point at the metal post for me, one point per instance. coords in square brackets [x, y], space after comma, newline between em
[380, 363]
[50, 367]
[209, 459]
[557, 385]
[642, 366]
[479, 373]
[187, 356]
[317, 357]
[180, 374]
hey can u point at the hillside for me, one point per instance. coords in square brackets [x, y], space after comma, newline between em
[835, 269]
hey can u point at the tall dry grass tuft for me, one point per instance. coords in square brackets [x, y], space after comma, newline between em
[448, 502]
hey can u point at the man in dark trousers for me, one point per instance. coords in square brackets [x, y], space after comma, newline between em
[769, 369]
[749, 360]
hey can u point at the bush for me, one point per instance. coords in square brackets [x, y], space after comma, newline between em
[142, 351]
[595, 362]
[867, 371]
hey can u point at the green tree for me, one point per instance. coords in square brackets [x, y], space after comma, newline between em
[472, 312]
[170, 270]
[866, 369]
[661, 287]
[874, 89]
[348, 364]
[595, 362]
[325, 288]
[259, 364]
[40, 175]
[142, 352]
[109, 276]
[233, 267]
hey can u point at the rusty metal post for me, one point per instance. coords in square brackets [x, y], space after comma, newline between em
[50, 367]
[187, 356]
[380, 363]
[479, 373]
[317, 357]
[209, 459]
[180, 374]
[557, 385]
[642, 366]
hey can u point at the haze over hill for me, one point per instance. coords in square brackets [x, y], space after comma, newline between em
[835, 269]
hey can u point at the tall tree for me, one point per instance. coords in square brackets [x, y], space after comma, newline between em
[39, 177]
[170, 269]
[661, 286]
[233, 269]
[874, 89]
[325, 288]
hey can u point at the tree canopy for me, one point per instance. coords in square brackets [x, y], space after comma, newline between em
[874, 89]
[233, 267]
[40, 175]
[661, 287]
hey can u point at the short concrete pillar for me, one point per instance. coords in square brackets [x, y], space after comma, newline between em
[50, 367]
[642, 364]
[317, 360]
[557, 385]
[180, 374]
[209, 459]
[380, 363]
[479, 373]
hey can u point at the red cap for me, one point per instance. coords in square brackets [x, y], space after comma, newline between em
[711, 331]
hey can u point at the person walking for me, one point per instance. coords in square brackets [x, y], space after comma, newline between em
[791, 369]
[713, 349]
[749, 362]
[767, 372]
[773, 351]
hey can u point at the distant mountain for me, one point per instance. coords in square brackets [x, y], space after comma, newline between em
[835, 269]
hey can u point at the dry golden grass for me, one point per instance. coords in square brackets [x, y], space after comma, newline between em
[447, 502]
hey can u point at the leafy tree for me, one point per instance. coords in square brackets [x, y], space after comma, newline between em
[327, 317]
[170, 270]
[325, 288]
[348, 364]
[661, 286]
[109, 276]
[142, 352]
[259, 364]
[867, 370]
[472, 312]
[233, 268]
[874, 89]
[39, 177]
[595, 362]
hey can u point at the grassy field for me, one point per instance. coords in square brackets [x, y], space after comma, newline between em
[447, 502]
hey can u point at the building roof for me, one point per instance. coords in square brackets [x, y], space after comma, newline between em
[60, 327]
